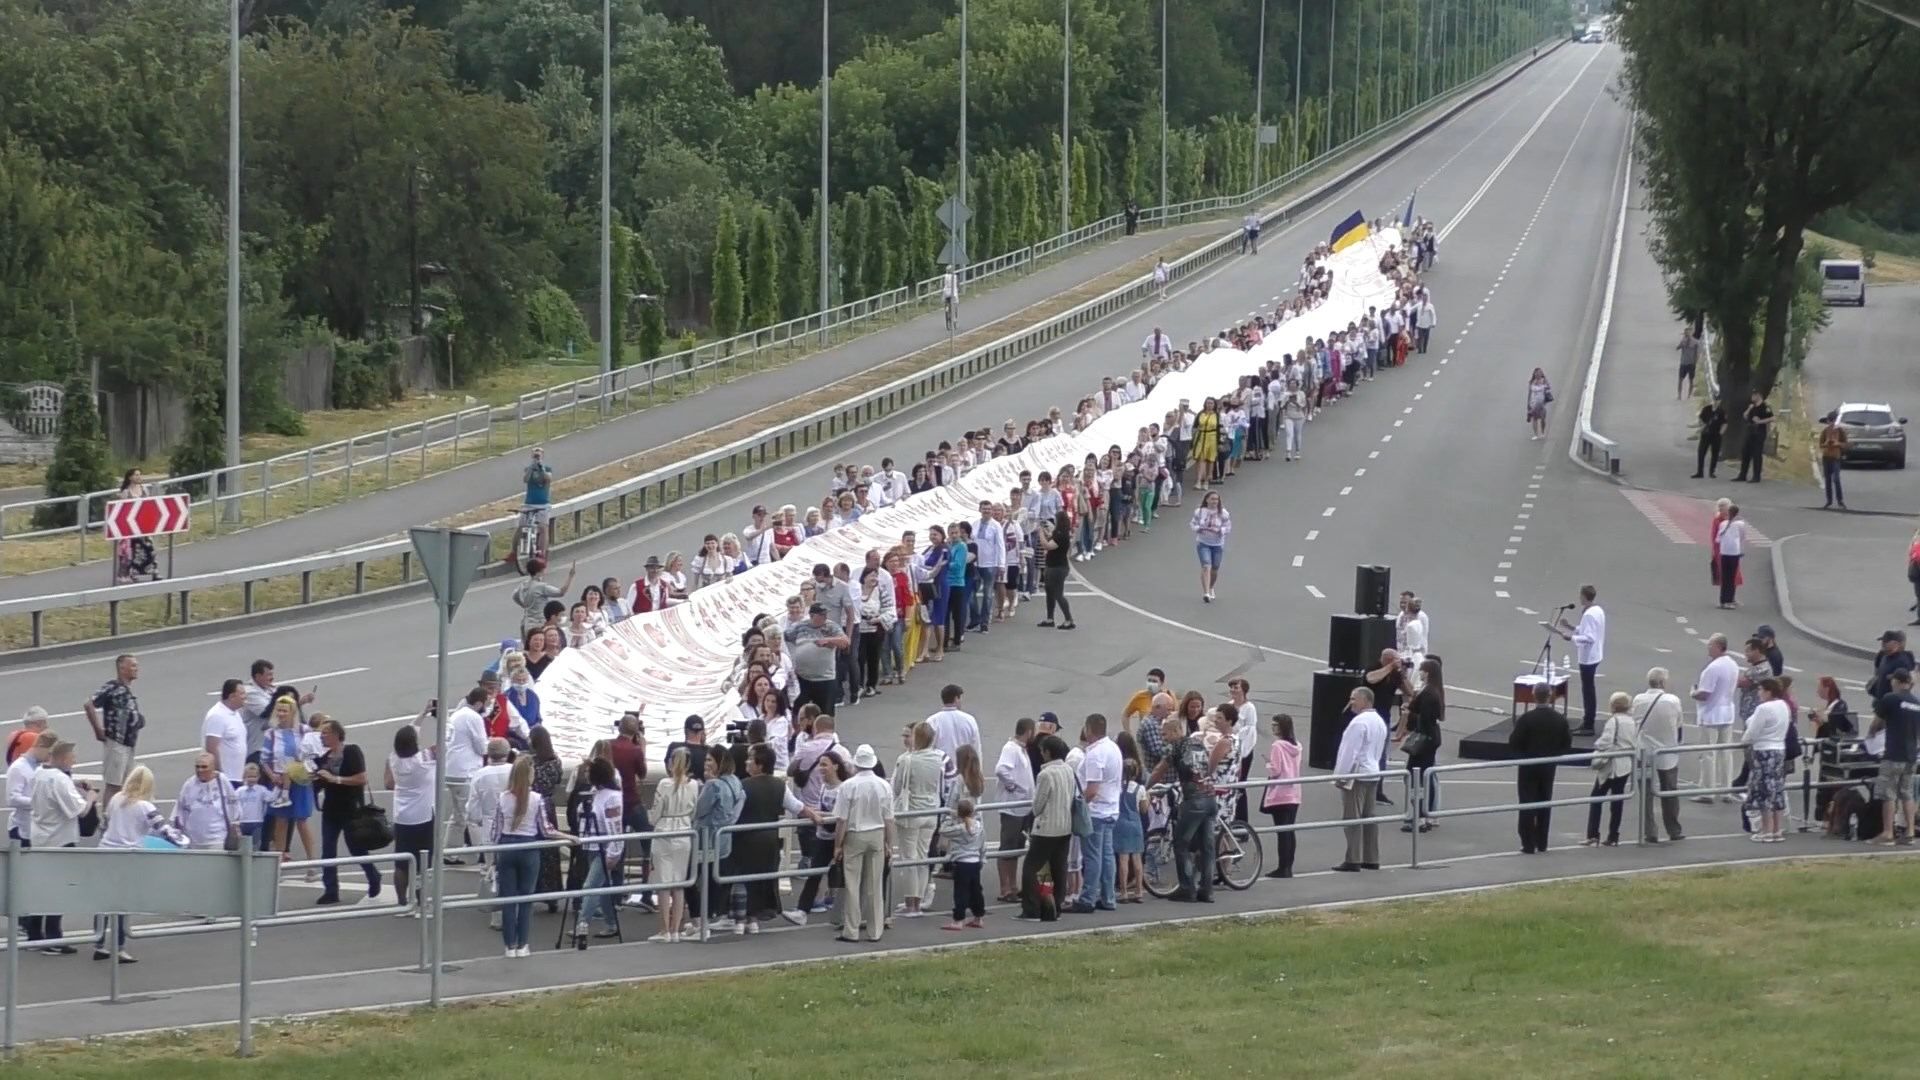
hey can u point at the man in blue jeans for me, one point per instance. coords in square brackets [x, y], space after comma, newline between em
[1100, 783]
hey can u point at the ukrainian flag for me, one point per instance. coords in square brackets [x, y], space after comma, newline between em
[1349, 232]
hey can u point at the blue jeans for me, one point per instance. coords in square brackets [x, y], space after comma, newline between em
[517, 871]
[332, 834]
[1097, 863]
[893, 653]
[982, 600]
[597, 870]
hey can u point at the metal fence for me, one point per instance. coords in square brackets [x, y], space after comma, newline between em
[436, 443]
[1826, 757]
[354, 572]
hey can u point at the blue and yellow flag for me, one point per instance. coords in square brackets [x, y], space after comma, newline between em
[1349, 232]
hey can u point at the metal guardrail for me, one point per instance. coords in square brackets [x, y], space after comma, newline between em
[1592, 448]
[608, 507]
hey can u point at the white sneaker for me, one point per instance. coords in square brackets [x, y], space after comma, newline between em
[739, 929]
[661, 937]
[719, 925]
[796, 917]
[493, 921]
[511, 954]
[753, 926]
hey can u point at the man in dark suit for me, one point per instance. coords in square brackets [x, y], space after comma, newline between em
[1539, 732]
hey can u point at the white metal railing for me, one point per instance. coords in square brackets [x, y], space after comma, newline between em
[374, 453]
[1589, 446]
[618, 503]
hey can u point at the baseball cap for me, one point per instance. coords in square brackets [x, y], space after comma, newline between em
[1764, 631]
[817, 609]
[1049, 718]
[694, 723]
[1892, 635]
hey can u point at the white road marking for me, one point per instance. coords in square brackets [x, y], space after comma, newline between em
[1398, 423]
[1502, 594]
[1317, 594]
[1348, 490]
[1417, 397]
[1328, 512]
[1429, 383]
[1522, 517]
[463, 652]
[1515, 539]
[1313, 534]
[1510, 551]
[1360, 472]
[1298, 560]
[1500, 579]
[1386, 438]
[1372, 454]
[1525, 610]
[1503, 566]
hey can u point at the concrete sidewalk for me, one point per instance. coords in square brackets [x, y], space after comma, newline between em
[1846, 590]
[369, 517]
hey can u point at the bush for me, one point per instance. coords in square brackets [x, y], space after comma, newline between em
[79, 462]
[204, 446]
[554, 321]
[366, 375]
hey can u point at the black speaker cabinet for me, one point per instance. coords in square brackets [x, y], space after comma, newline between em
[1354, 642]
[1373, 590]
[1330, 692]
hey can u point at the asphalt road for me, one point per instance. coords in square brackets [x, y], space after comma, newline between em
[1428, 470]
[1866, 354]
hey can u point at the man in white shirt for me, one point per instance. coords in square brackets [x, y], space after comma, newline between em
[953, 725]
[1100, 783]
[223, 733]
[894, 480]
[1161, 275]
[756, 540]
[1659, 713]
[20, 786]
[56, 804]
[1013, 782]
[1135, 389]
[465, 753]
[1157, 346]
[864, 809]
[1424, 320]
[991, 538]
[1715, 693]
[484, 789]
[206, 810]
[1589, 647]
[1361, 745]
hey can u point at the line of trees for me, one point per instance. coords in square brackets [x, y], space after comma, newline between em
[434, 164]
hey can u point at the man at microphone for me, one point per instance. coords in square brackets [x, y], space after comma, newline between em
[1589, 639]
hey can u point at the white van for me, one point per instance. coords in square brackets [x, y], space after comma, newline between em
[1843, 281]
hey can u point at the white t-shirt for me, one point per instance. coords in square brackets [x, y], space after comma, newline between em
[466, 747]
[412, 789]
[226, 725]
[607, 816]
[1246, 730]
[1733, 537]
[1720, 680]
[951, 727]
[1102, 765]
[1590, 637]
[128, 824]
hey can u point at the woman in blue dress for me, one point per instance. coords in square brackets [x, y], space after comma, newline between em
[282, 767]
[1130, 838]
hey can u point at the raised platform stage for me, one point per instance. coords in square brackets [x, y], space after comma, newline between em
[1491, 744]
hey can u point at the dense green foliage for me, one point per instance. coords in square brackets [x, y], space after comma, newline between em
[79, 458]
[1741, 153]
[451, 148]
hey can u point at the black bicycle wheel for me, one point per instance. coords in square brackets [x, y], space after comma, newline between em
[1240, 868]
[1160, 875]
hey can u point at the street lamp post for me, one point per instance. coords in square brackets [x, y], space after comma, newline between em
[823, 209]
[229, 481]
[1299, 57]
[1165, 200]
[606, 202]
[1066, 116]
[1259, 91]
[1359, 35]
[1333, 21]
[962, 231]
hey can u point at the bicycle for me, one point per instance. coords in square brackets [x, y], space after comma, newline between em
[529, 538]
[1238, 852]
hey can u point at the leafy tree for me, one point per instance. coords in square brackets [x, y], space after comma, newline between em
[886, 242]
[806, 269]
[80, 459]
[1741, 153]
[728, 304]
[1130, 171]
[203, 447]
[851, 247]
[652, 336]
[763, 257]
[794, 243]
[620, 286]
[554, 321]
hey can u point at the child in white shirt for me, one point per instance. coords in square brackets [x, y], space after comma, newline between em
[966, 845]
[250, 801]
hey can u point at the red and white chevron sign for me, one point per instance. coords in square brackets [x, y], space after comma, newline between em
[149, 515]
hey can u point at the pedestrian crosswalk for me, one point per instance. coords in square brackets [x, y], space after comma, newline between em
[1682, 518]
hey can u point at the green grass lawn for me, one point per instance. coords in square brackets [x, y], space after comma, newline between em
[1794, 971]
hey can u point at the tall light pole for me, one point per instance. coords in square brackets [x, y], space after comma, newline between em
[1165, 200]
[1379, 62]
[824, 208]
[1259, 90]
[233, 248]
[606, 199]
[1066, 116]
[1359, 35]
[962, 231]
[1299, 60]
[1333, 20]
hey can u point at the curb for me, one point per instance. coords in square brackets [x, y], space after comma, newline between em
[1780, 589]
[1583, 432]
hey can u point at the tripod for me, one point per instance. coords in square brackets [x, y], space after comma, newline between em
[570, 915]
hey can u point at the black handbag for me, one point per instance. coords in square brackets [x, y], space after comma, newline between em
[1418, 744]
[368, 828]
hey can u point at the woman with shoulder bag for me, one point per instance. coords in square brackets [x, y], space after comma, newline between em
[1622, 732]
[1420, 733]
